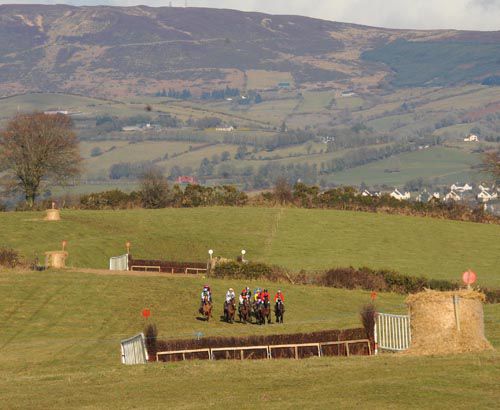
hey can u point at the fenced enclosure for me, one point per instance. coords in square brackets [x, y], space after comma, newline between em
[392, 332]
[134, 350]
[118, 262]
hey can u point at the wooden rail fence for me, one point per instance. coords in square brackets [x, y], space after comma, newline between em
[268, 349]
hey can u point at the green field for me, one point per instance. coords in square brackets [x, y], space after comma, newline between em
[448, 165]
[60, 339]
[294, 238]
[318, 111]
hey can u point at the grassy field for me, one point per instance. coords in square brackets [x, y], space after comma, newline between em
[448, 165]
[263, 79]
[294, 238]
[60, 348]
[425, 107]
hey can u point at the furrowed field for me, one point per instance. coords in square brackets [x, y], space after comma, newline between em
[294, 238]
[60, 348]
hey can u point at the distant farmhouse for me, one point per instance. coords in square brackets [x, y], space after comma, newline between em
[471, 138]
[348, 93]
[225, 129]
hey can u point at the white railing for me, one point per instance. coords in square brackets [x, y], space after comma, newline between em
[392, 332]
[118, 262]
[210, 352]
[134, 350]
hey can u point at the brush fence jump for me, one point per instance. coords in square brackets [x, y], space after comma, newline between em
[266, 351]
[118, 262]
[134, 350]
[392, 332]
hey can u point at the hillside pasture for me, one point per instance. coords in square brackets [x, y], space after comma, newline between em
[264, 79]
[448, 165]
[294, 238]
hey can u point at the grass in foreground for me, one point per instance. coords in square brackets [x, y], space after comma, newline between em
[294, 238]
[60, 337]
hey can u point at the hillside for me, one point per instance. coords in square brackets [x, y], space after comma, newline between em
[294, 238]
[60, 348]
[122, 51]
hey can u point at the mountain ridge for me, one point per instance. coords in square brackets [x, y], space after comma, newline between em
[126, 51]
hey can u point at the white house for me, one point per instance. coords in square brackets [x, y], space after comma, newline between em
[348, 93]
[399, 196]
[54, 112]
[485, 196]
[459, 188]
[452, 196]
[471, 138]
[225, 129]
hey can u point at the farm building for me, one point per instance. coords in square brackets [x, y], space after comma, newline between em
[471, 138]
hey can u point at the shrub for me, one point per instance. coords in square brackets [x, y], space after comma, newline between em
[114, 199]
[350, 278]
[151, 335]
[368, 319]
[155, 192]
[9, 258]
[250, 270]
[95, 152]
[492, 295]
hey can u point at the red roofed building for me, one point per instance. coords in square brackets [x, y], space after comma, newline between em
[183, 179]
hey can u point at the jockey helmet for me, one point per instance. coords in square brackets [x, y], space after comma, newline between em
[231, 289]
[244, 291]
[265, 290]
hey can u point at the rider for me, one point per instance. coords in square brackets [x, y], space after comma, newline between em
[230, 295]
[205, 293]
[243, 296]
[256, 295]
[279, 296]
[264, 295]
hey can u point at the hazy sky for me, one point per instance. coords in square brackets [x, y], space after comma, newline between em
[459, 14]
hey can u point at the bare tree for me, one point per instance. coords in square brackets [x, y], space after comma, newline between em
[283, 191]
[491, 164]
[39, 149]
[155, 192]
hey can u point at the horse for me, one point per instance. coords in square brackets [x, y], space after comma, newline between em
[255, 311]
[279, 311]
[206, 309]
[264, 312]
[244, 312]
[229, 310]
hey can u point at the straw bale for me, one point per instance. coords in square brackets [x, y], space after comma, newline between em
[433, 318]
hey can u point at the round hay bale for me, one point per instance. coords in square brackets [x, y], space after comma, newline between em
[447, 322]
[56, 259]
[53, 215]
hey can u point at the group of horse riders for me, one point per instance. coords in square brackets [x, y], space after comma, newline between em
[256, 303]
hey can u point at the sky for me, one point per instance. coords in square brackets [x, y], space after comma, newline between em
[406, 14]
